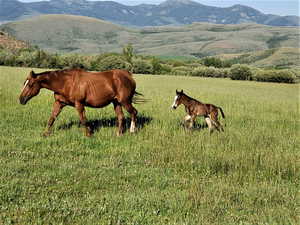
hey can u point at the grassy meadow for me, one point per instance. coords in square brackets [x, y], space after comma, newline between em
[161, 175]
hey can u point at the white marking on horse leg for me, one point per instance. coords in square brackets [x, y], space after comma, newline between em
[209, 124]
[187, 117]
[25, 85]
[174, 103]
[132, 127]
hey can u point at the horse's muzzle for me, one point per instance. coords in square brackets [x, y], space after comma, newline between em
[24, 100]
[174, 107]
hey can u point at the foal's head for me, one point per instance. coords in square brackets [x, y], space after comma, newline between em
[177, 99]
[31, 88]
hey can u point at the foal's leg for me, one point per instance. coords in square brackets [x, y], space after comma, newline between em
[133, 112]
[83, 121]
[120, 115]
[192, 120]
[209, 124]
[187, 119]
[57, 107]
[216, 123]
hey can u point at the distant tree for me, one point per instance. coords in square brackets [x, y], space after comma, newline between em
[240, 72]
[215, 62]
[128, 53]
[157, 68]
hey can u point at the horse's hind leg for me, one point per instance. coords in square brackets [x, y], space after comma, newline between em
[216, 123]
[83, 120]
[133, 112]
[57, 107]
[120, 115]
[220, 126]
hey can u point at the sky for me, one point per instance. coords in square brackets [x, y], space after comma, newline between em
[278, 7]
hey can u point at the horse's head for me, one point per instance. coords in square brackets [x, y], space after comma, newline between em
[31, 88]
[177, 99]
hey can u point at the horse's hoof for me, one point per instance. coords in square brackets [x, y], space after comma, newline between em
[119, 134]
[133, 131]
[46, 134]
[88, 134]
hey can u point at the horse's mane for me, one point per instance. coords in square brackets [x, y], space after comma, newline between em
[59, 72]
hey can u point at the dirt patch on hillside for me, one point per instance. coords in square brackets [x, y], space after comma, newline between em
[9, 42]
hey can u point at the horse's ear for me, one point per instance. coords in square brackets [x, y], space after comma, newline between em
[32, 74]
[181, 91]
[177, 92]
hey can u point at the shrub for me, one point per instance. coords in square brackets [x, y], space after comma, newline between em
[113, 62]
[26, 58]
[73, 61]
[156, 65]
[215, 62]
[210, 72]
[175, 63]
[7, 58]
[142, 66]
[165, 69]
[279, 76]
[240, 72]
[182, 71]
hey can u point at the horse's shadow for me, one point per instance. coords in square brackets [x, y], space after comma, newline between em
[96, 124]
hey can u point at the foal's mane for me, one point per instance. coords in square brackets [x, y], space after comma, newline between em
[190, 98]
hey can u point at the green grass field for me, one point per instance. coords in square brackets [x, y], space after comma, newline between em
[161, 175]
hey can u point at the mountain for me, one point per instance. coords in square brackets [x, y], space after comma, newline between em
[170, 12]
[79, 34]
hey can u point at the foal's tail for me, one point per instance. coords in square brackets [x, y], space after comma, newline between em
[223, 115]
[138, 98]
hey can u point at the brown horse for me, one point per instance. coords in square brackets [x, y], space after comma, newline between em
[79, 88]
[195, 108]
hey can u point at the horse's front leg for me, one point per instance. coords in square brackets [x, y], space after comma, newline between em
[83, 120]
[186, 120]
[57, 107]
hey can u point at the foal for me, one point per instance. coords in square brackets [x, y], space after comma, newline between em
[195, 108]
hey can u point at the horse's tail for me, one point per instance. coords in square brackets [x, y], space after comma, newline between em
[138, 98]
[223, 115]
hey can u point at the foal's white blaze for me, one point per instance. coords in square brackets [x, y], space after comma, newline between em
[174, 103]
[25, 85]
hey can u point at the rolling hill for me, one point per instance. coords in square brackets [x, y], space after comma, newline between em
[170, 12]
[276, 57]
[67, 33]
[77, 34]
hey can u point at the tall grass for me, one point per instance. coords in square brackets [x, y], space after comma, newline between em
[163, 174]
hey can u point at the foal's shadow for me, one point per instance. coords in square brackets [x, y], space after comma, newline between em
[197, 126]
[96, 124]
